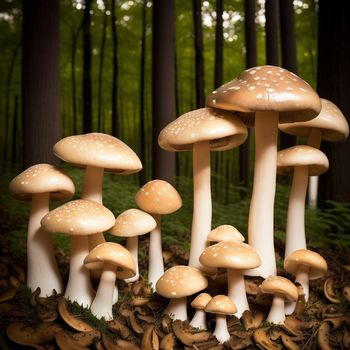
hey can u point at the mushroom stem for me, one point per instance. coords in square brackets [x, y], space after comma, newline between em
[132, 247]
[276, 314]
[260, 223]
[202, 207]
[42, 269]
[199, 320]
[295, 230]
[177, 309]
[155, 262]
[221, 332]
[103, 302]
[236, 291]
[315, 138]
[302, 277]
[79, 287]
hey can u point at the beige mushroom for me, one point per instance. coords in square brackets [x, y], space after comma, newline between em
[199, 319]
[38, 184]
[225, 233]
[157, 197]
[131, 224]
[177, 283]
[79, 219]
[202, 131]
[274, 95]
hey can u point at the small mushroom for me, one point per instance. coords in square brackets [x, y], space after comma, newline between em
[186, 335]
[225, 233]
[328, 290]
[199, 303]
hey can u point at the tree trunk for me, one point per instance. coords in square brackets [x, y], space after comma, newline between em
[332, 84]
[115, 127]
[219, 45]
[40, 81]
[163, 84]
[271, 29]
[14, 147]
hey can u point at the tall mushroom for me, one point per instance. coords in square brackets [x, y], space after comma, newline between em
[38, 184]
[266, 96]
[78, 219]
[202, 131]
[302, 161]
[157, 197]
[131, 224]
[97, 152]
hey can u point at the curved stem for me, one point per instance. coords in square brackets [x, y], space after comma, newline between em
[260, 223]
[236, 291]
[132, 247]
[295, 230]
[42, 269]
[302, 277]
[177, 309]
[276, 314]
[199, 320]
[221, 332]
[202, 207]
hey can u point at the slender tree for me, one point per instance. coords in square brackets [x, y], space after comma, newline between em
[115, 128]
[271, 29]
[40, 81]
[219, 45]
[14, 147]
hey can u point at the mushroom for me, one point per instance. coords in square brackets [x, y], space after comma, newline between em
[131, 224]
[115, 262]
[78, 219]
[38, 184]
[275, 95]
[177, 283]
[236, 257]
[97, 152]
[199, 319]
[221, 305]
[301, 161]
[282, 289]
[201, 131]
[157, 197]
[225, 233]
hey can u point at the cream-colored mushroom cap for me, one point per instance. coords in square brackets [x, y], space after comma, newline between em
[331, 122]
[222, 129]
[98, 150]
[201, 301]
[280, 285]
[268, 88]
[303, 257]
[181, 281]
[133, 222]
[109, 253]
[42, 178]
[230, 255]
[225, 233]
[221, 304]
[158, 197]
[79, 217]
[302, 155]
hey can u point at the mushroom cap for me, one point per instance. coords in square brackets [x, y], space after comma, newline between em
[302, 155]
[331, 122]
[315, 262]
[230, 255]
[225, 233]
[181, 281]
[110, 253]
[98, 150]
[268, 88]
[220, 128]
[79, 217]
[221, 304]
[201, 301]
[280, 285]
[133, 222]
[158, 197]
[42, 178]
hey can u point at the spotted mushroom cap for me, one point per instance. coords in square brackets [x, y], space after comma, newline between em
[158, 197]
[222, 129]
[79, 217]
[110, 253]
[280, 285]
[42, 178]
[225, 233]
[222, 305]
[304, 257]
[98, 150]
[201, 301]
[133, 222]
[302, 155]
[331, 122]
[181, 281]
[268, 88]
[230, 255]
